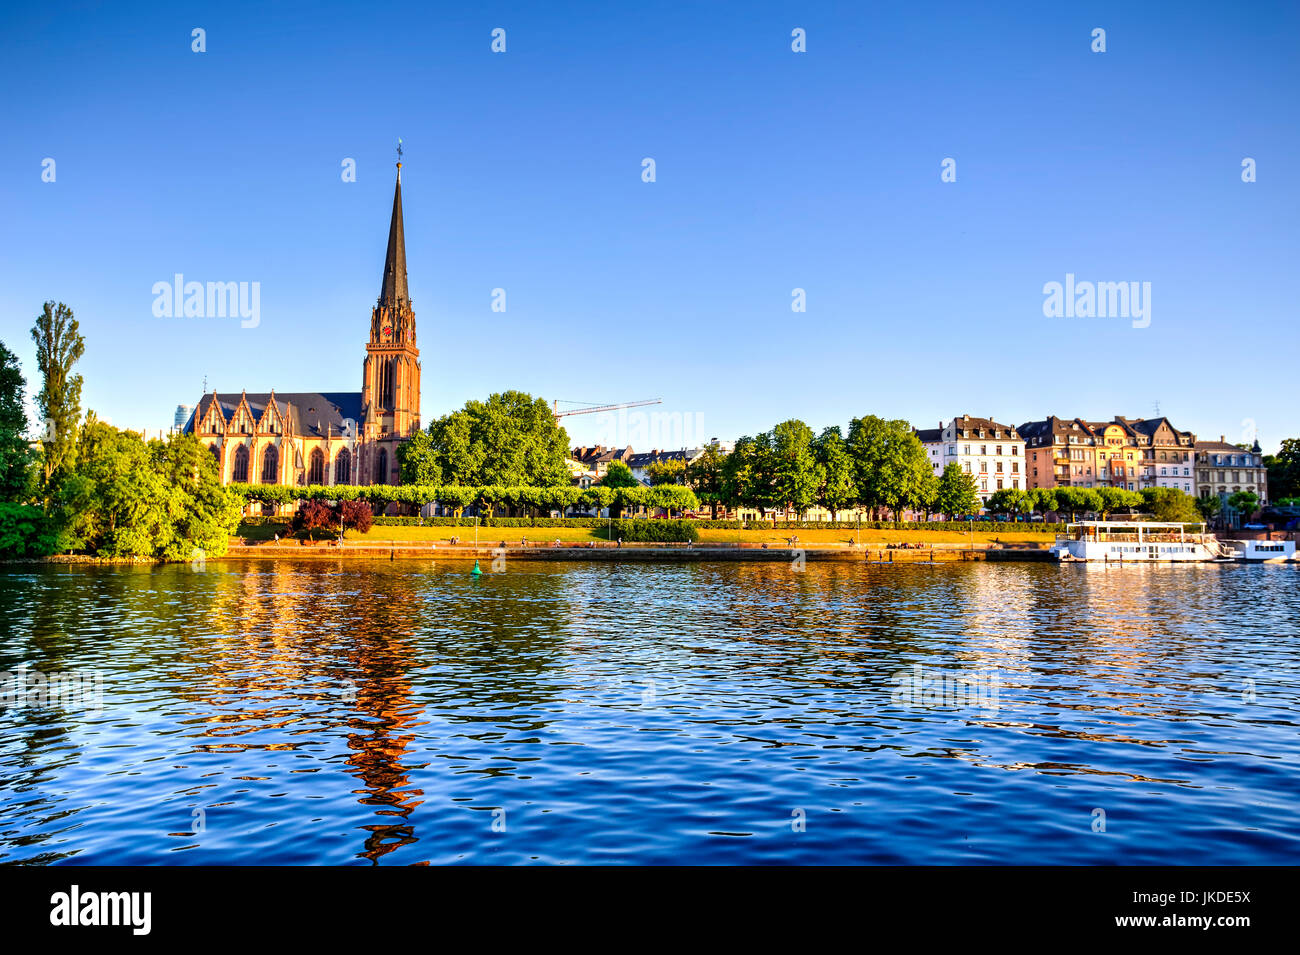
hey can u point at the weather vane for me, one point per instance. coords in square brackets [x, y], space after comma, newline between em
[399, 148]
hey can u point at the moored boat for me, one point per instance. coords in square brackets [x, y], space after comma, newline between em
[1138, 541]
[1263, 552]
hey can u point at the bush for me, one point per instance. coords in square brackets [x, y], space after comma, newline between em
[656, 531]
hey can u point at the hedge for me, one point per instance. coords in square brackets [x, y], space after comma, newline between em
[655, 531]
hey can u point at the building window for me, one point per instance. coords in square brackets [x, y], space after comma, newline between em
[343, 467]
[271, 465]
[387, 368]
[240, 472]
[381, 467]
[316, 468]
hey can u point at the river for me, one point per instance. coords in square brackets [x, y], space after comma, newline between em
[252, 712]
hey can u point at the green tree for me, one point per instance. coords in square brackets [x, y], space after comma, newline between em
[956, 493]
[618, 474]
[666, 471]
[203, 513]
[1209, 506]
[511, 440]
[1045, 499]
[1284, 470]
[1170, 504]
[1245, 503]
[1006, 501]
[418, 459]
[839, 489]
[121, 497]
[1117, 499]
[890, 463]
[59, 346]
[1078, 500]
[796, 475]
[704, 477]
[26, 531]
[746, 475]
[16, 456]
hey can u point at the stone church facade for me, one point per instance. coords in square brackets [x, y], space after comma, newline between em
[301, 438]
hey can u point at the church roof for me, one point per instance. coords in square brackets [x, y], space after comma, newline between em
[394, 292]
[308, 413]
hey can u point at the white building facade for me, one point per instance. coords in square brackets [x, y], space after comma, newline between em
[991, 452]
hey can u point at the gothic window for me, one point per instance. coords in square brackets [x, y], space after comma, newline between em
[270, 465]
[240, 474]
[316, 472]
[387, 372]
[343, 467]
[381, 467]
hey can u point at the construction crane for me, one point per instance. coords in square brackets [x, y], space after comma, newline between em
[555, 406]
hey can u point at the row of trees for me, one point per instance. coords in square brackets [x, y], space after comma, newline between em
[1160, 503]
[487, 499]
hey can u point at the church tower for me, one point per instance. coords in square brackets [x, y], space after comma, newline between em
[390, 379]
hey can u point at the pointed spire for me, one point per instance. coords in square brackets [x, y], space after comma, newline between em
[393, 291]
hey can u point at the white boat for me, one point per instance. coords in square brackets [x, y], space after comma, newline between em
[1263, 552]
[1138, 541]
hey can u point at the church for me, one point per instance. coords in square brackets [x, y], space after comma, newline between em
[300, 438]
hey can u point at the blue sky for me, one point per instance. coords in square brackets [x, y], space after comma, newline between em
[775, 170]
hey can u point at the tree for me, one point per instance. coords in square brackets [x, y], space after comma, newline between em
[1116, 499]
[1170, 504]
[26, 531]
[1078, 500]
[418, 460]
[838, 490]
[666, 471]
[121, 497]
[511, 440]
[890, 463]
[1006, 501]
[1284, 470]
[204, 513]
[956, 493]
[746, 475]
[356, 515]
[59, 346]
[796, 475]
[618, 477]
[1245, 503]
[618, 474]
[704, 477]
[16, 456]
[314, 515]
[1045, 499]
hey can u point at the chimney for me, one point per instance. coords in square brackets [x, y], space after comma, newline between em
[1221, 440]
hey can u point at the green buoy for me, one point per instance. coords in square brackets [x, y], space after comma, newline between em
[475, 572]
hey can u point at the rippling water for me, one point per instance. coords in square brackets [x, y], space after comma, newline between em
[319, 712]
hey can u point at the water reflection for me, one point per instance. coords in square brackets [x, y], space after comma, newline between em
[393, 712]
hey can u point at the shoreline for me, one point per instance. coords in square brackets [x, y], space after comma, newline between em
[631, 552]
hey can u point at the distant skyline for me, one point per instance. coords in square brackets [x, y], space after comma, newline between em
[775, 170]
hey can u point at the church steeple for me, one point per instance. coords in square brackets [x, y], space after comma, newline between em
[393, 292]
[390, 376]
